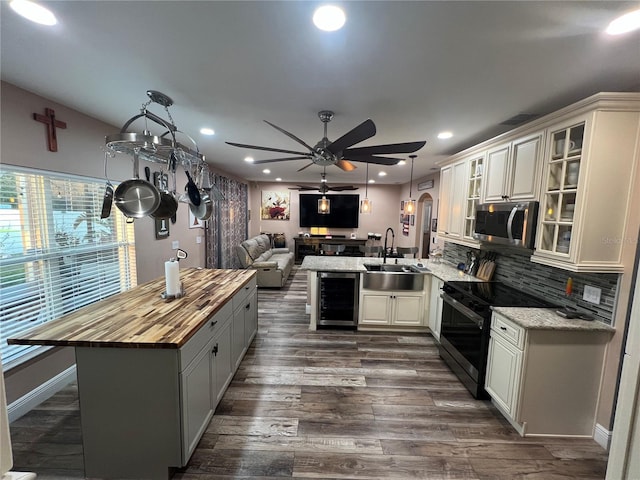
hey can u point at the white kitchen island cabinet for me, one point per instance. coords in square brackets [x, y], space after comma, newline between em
[545, 380]
[151, 372]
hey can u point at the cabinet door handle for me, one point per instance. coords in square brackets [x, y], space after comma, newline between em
[214, 322]
[215, 350]
[504, 329]
[248, 306]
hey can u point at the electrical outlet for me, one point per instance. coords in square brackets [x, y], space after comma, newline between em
[198, 239]
[591, 294]
[175, 244]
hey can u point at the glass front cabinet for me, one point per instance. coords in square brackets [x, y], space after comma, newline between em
[474, 187]
[589, 163]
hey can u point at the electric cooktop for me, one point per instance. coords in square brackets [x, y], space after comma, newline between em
[496, 294]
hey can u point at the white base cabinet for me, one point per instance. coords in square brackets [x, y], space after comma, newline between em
[545, 382]
[400, 309]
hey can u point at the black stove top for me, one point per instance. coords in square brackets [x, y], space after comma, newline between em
[495, 294]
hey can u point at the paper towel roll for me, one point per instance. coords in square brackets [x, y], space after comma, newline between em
[172, 277]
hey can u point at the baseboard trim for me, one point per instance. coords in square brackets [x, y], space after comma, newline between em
[41, 393]
[602, 436]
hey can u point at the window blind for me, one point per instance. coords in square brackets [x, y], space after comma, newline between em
[56, 253]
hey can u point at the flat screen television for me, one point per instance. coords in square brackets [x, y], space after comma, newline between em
[345, 211]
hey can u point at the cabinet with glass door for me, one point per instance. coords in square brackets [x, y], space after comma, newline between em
[474, 186]
[559, 200]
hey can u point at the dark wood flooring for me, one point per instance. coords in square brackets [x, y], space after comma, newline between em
[332, 404]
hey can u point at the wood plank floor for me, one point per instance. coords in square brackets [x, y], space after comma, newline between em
[332, 404]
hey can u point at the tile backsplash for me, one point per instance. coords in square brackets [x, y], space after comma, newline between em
[517, 270]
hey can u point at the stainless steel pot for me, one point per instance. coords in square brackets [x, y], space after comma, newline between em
[136, 198]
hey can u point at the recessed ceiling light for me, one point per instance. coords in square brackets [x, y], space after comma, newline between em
[329, 18]
[382, 174]
[371, 180]
[207, 131]
[34, 12]
[248, 159]
[626, 23]
[267, 171]
[445, 135]
[402, 162]
[278, 179]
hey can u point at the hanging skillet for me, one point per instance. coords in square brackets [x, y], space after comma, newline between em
[108, 193]
[136, 198]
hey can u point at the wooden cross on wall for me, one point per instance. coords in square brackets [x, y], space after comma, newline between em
[49, 119]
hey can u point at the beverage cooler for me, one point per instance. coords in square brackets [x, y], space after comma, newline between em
[338, 294]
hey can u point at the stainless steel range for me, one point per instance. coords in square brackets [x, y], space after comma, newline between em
[466, 321]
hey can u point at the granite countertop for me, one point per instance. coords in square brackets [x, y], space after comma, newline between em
[140, 318]
[336, 263]
[548, 319]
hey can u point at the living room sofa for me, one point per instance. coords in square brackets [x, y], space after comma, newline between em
[273, 264]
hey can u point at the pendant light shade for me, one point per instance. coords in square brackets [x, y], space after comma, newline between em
[410, 205]
[365, 205]
[324, 205]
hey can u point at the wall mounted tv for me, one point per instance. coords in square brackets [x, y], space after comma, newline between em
[345, 210]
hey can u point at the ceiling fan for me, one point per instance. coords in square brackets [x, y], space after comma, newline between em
[324, 187]
[338, 152]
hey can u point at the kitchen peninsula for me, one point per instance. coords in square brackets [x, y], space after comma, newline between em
[420, 306]
[151, 371]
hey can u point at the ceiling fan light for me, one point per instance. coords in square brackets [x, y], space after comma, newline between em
[324, 206]
[329, 18]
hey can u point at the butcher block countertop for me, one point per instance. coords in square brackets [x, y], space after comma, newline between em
[140, 318]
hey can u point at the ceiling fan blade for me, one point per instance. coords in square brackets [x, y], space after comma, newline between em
[290, 135]
[372, 159]
[267, 149]
[343, 188]
[392, 148]
[345, 165]
[270, 160]
[302, 187]
[306, 166]
[366, 129]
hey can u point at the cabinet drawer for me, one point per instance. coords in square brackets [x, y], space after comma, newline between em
[239, 299]
[190, 349]
[508, 330]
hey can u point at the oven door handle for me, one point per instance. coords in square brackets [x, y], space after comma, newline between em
[466, 311]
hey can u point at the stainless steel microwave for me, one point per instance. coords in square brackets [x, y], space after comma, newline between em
[507, 223]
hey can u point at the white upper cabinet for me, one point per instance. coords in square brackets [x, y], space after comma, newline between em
[513, 170]
[590, 161]
[454, 186]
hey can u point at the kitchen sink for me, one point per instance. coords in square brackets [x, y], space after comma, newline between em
[392, 277]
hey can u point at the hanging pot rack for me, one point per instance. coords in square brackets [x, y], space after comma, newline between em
[154, 148]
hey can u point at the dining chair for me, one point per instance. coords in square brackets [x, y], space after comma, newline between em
[332, 249]
[371, 250]
[407, 251]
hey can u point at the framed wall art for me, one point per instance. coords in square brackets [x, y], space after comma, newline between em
[275, 206]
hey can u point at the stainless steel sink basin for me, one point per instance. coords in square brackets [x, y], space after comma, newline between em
[392, 277]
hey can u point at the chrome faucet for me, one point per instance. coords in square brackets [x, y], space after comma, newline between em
[393, 237]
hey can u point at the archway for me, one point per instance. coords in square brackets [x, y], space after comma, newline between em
[424, 214]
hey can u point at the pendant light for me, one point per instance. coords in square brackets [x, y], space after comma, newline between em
[324, 204]
[410, 205]
[366, 204]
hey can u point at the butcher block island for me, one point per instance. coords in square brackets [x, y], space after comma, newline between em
[151, 371]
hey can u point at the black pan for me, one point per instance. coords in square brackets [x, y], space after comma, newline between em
[107, 201]
[192, 190]
[168, 204]
[136, 198]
